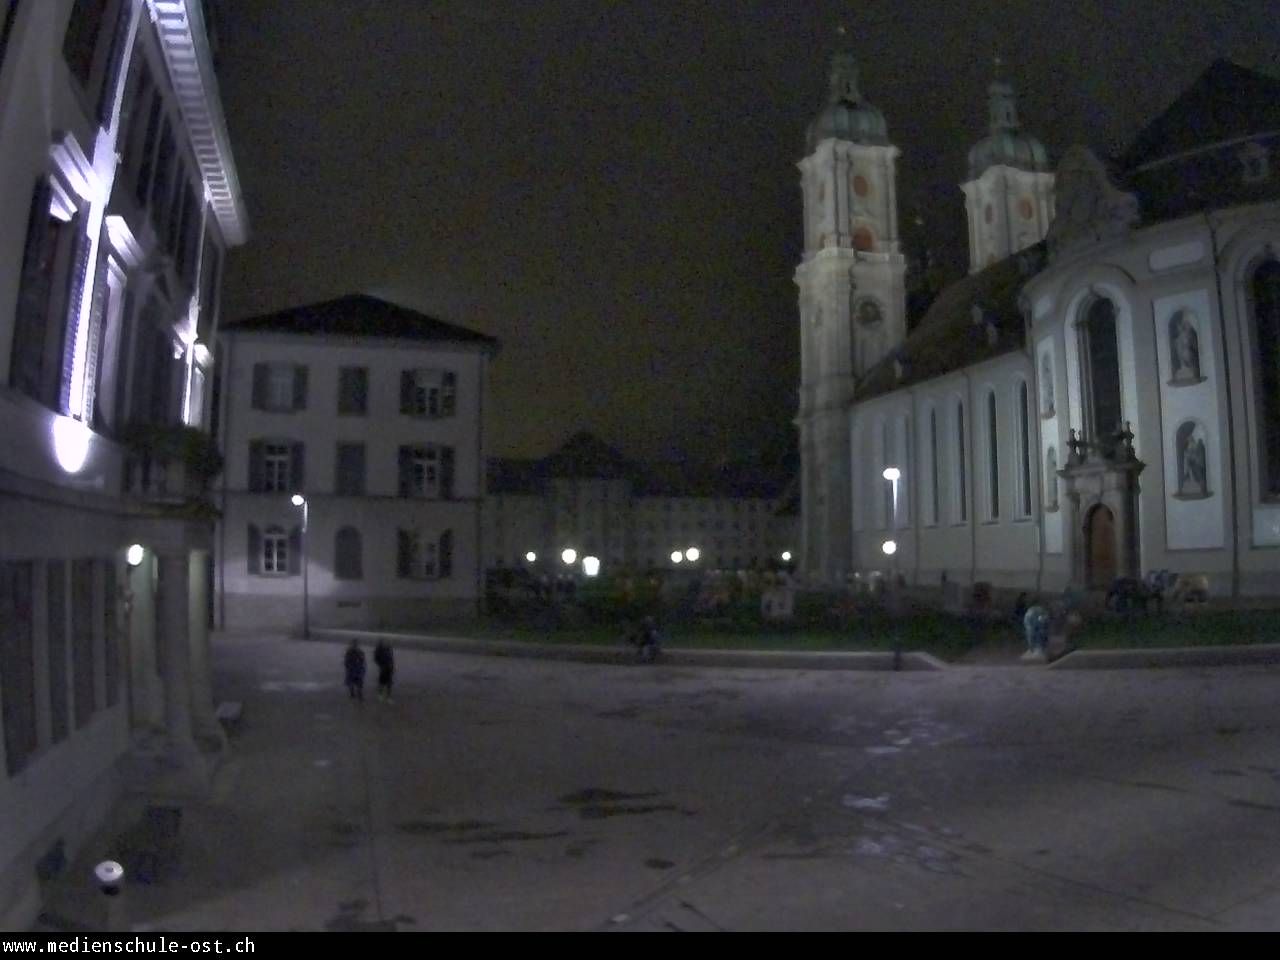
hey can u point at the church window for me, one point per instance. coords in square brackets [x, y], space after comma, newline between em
[989, 214]
[1024, 451]
[1266, 319]
[993, 459]
[1025, 209]
[864, 239]
[1101, 361]
[860, 185]
[933, 466]
[962, 489]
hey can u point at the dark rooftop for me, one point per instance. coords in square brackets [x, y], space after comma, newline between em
[359, 315]
[1228, 102]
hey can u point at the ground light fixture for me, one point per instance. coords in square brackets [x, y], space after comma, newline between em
[569, 556]
[591, 566]
[133, 556]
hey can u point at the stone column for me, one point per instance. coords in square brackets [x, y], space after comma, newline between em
[173, 628]
[206, 724]
[146, 701]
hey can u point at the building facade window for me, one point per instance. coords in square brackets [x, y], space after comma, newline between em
[84, 32]
[428, 393]
[353, 391]
[276, 466]
[17, 665]
[426, 471]
[348, 561]
[279, 387]
[44, 295]
[275, 551]
[7, 10]
[349, 470]
[993, 459]
[421, 557]
[1023, 440]
[1265, 296]
[962, 485]
[935, 493]
[1100, 354]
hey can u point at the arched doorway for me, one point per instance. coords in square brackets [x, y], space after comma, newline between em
[1100, 547]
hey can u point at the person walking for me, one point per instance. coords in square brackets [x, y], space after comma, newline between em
[385, 659]
[354, 663]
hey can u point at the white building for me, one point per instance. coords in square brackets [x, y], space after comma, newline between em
[1095, 405]
[118, 198]
[588, 498]
[372, 412]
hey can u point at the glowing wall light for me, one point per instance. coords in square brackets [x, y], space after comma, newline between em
[70, 444]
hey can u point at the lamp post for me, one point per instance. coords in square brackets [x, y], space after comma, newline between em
[890, 548]
[893, 475]
[299, 500]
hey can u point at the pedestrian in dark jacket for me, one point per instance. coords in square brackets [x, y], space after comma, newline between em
[354, 664]
[386, 661]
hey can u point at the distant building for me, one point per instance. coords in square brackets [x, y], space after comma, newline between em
[118, 200]
[589, 498]
[1097, 399]
[372, 412]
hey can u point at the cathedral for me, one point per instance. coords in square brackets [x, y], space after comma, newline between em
[1098, 398]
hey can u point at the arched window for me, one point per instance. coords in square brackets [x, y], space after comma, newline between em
[1266, 321]
[993, 459]
[962, 486]
[348, 560]
[1104, 413]
[1024, 451]
[935, 494]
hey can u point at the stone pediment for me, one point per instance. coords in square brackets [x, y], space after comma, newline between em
[1090, 208]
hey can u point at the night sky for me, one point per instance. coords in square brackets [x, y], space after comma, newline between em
[610, 187]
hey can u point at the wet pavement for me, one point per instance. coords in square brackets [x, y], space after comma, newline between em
[499, 794]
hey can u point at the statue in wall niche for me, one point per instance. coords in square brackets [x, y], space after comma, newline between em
[1184, 349]
[1051, 479]
[1046, 386]
[1192, 469]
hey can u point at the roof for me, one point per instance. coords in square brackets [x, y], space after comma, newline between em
[585, 456]
[508, 475]
[948, 338]
[358, 315]
[1228, 102]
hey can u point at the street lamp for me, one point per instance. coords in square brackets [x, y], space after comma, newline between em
[692, 554]
[893, 475]
[591, 566]
[677, 556]
[786, 556]
[890, 548]
[569, 556]
[531, 557]
[134, 555]
[298, 500]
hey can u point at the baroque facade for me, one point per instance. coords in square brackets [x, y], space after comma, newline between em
[1098, 398]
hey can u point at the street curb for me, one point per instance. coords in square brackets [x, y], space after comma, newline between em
[1263, 653]
[913, 661]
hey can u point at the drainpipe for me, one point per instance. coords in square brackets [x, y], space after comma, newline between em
[1231, 429]
[224, 425]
